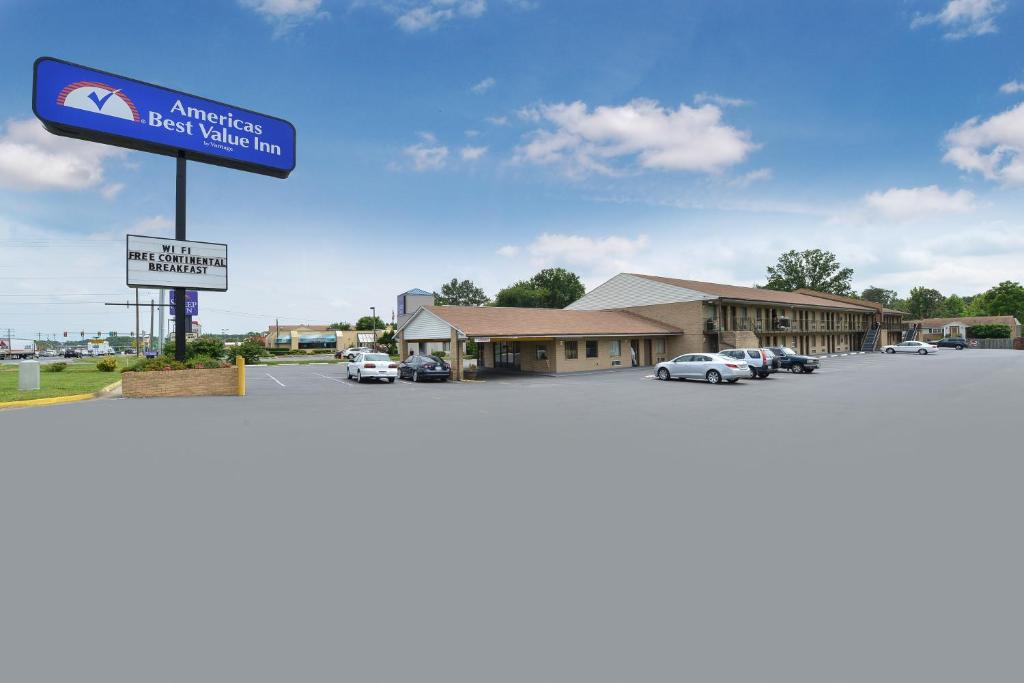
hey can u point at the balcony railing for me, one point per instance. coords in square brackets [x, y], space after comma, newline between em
[794, 326]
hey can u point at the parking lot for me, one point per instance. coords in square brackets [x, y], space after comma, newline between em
[604, 527]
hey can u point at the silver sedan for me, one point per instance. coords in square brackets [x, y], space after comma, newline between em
[711, 367]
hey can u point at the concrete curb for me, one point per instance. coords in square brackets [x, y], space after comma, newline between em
[55, 400]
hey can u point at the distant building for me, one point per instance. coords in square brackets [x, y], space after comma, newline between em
[930, 329]
[410, 302]
[307, 337]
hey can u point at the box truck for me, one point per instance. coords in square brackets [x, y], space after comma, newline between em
[11, 347]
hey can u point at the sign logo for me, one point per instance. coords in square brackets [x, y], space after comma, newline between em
[99, 98]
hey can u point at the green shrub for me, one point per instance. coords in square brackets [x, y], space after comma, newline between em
[989, 332]
[206, 346]
[439, 353]
[157, 364]
[107, 365]
[205, 363]
[54, 367]
[251, 350]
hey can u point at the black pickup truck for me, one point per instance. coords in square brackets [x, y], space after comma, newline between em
[793, 361]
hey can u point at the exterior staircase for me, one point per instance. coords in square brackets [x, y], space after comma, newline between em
[871, 339]
[911, 334]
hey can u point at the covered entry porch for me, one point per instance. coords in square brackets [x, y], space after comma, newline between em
[568, 354]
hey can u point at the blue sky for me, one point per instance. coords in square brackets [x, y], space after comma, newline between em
[489, 138]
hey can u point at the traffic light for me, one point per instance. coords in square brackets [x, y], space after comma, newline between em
[65, 333]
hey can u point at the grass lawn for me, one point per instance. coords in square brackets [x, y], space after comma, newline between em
[78, 378]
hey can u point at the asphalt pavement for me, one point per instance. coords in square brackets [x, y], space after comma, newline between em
[858, 524]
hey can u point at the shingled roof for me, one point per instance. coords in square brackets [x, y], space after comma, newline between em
[756, 294]
[494, 321]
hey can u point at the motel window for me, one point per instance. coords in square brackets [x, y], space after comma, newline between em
[591, 348]
[571, 350]
[542, 352]
[615, 348]
[659, 346]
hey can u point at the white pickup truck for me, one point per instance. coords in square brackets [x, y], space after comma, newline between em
[16, 348]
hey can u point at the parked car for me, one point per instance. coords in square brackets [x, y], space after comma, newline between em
[50, 353]
[419, 368]
[923, 348]
[958, 343]
[795, 362]
[351, 352]
[774, 362]
[73, 353]
[372, 366]
[712, 367]
[758, 362]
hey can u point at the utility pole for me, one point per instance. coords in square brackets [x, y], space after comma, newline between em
[373, 318]
[160, 349]
[136, 322]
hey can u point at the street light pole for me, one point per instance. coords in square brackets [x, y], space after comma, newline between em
[373, 320]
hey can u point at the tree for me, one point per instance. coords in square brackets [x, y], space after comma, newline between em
[251, 350]
[953, 307]
[206, 346]
[811, 269]
[1006, 298]
[886, 297]
[550, 288]
[344, 327]
[989, 332]
[925, 303]
[463, 293]
[367, 323]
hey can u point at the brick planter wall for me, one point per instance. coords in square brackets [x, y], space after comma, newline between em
[219, 382]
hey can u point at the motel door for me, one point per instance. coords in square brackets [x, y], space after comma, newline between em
[634, 351]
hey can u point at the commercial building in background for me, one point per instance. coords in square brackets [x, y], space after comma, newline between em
[930, 329]
[312, 337]
[637, 319]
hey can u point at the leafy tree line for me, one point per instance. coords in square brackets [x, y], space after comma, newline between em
[821, 271]
[550, 288]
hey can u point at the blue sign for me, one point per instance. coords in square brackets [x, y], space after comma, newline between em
[191, 302]
[79, 102]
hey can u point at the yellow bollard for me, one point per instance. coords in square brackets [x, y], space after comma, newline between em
[240, 362]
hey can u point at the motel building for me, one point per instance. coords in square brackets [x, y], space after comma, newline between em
[640, 320]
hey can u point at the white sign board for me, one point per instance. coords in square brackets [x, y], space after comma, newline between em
[163, 263]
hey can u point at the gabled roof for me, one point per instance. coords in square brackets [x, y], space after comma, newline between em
[495, 321]
[418, 292]
[757, 294]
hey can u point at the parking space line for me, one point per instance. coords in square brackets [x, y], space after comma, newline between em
[274, 378]
[333, 379]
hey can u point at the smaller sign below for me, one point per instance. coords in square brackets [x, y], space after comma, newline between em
[191, 303]
[364, 337]
[162, 263]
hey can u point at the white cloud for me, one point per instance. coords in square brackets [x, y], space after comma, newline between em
[33, 159]
[112, 190]
[428, 154]
[154, 225]
[472, 133]
[285, 15]
[721, 101]
[684, 139]
[472, 153]
[964, 18]
[602, 253]
[902, 204]
[1011, 88]
[751, 177]
[992, 147]
[427, 15]
[508, 251]
[497, 120]
[484, 85]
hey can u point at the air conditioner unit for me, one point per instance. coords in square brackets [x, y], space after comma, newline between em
[782, 323]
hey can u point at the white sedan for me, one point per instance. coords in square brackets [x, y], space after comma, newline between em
[372, 366]
[707, 366]
[923, 348]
